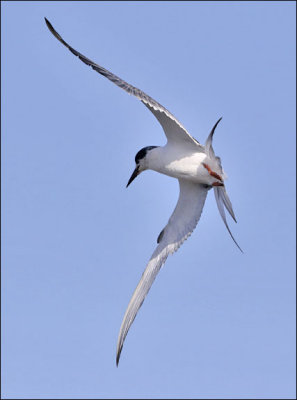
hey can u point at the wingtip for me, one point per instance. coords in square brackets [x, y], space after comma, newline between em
[47, 22]
[216, 124]
[49, 25]
[208, 143]
[118, 357]
[241, 250]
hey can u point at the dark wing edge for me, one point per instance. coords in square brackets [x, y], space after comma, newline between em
[179, 227]
[152, 104]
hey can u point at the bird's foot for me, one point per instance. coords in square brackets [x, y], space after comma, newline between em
[214, 174]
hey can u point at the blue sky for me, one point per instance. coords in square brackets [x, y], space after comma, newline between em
[75, 241]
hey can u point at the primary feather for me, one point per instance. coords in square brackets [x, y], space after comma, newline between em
[180, 225]
[180, 151]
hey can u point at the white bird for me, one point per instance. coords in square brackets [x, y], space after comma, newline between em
[197, 169]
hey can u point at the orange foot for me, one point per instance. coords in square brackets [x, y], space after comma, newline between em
[214, 174]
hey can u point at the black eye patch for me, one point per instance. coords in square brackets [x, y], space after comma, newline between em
[142, 153]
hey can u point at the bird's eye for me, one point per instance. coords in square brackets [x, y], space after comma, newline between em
[206, 186]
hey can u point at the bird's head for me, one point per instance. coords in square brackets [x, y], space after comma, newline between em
[141, 161]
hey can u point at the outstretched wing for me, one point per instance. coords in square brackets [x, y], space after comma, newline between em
[180, 225]
[173, 129]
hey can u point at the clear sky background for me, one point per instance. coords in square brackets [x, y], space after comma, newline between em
[75, 241]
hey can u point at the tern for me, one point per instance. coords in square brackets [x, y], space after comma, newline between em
[197, 169]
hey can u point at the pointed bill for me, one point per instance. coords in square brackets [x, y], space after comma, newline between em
[133, 176]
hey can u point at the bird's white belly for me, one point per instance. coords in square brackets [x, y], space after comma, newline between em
[188, 167]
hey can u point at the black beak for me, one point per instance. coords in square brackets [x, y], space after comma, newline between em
[133, 176]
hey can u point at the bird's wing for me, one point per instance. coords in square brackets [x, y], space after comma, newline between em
[180, 225]
[173, 129]
[221, 195]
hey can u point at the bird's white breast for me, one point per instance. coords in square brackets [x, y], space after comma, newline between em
[180, 163]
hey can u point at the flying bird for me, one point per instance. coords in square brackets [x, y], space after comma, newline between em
[197, 169]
